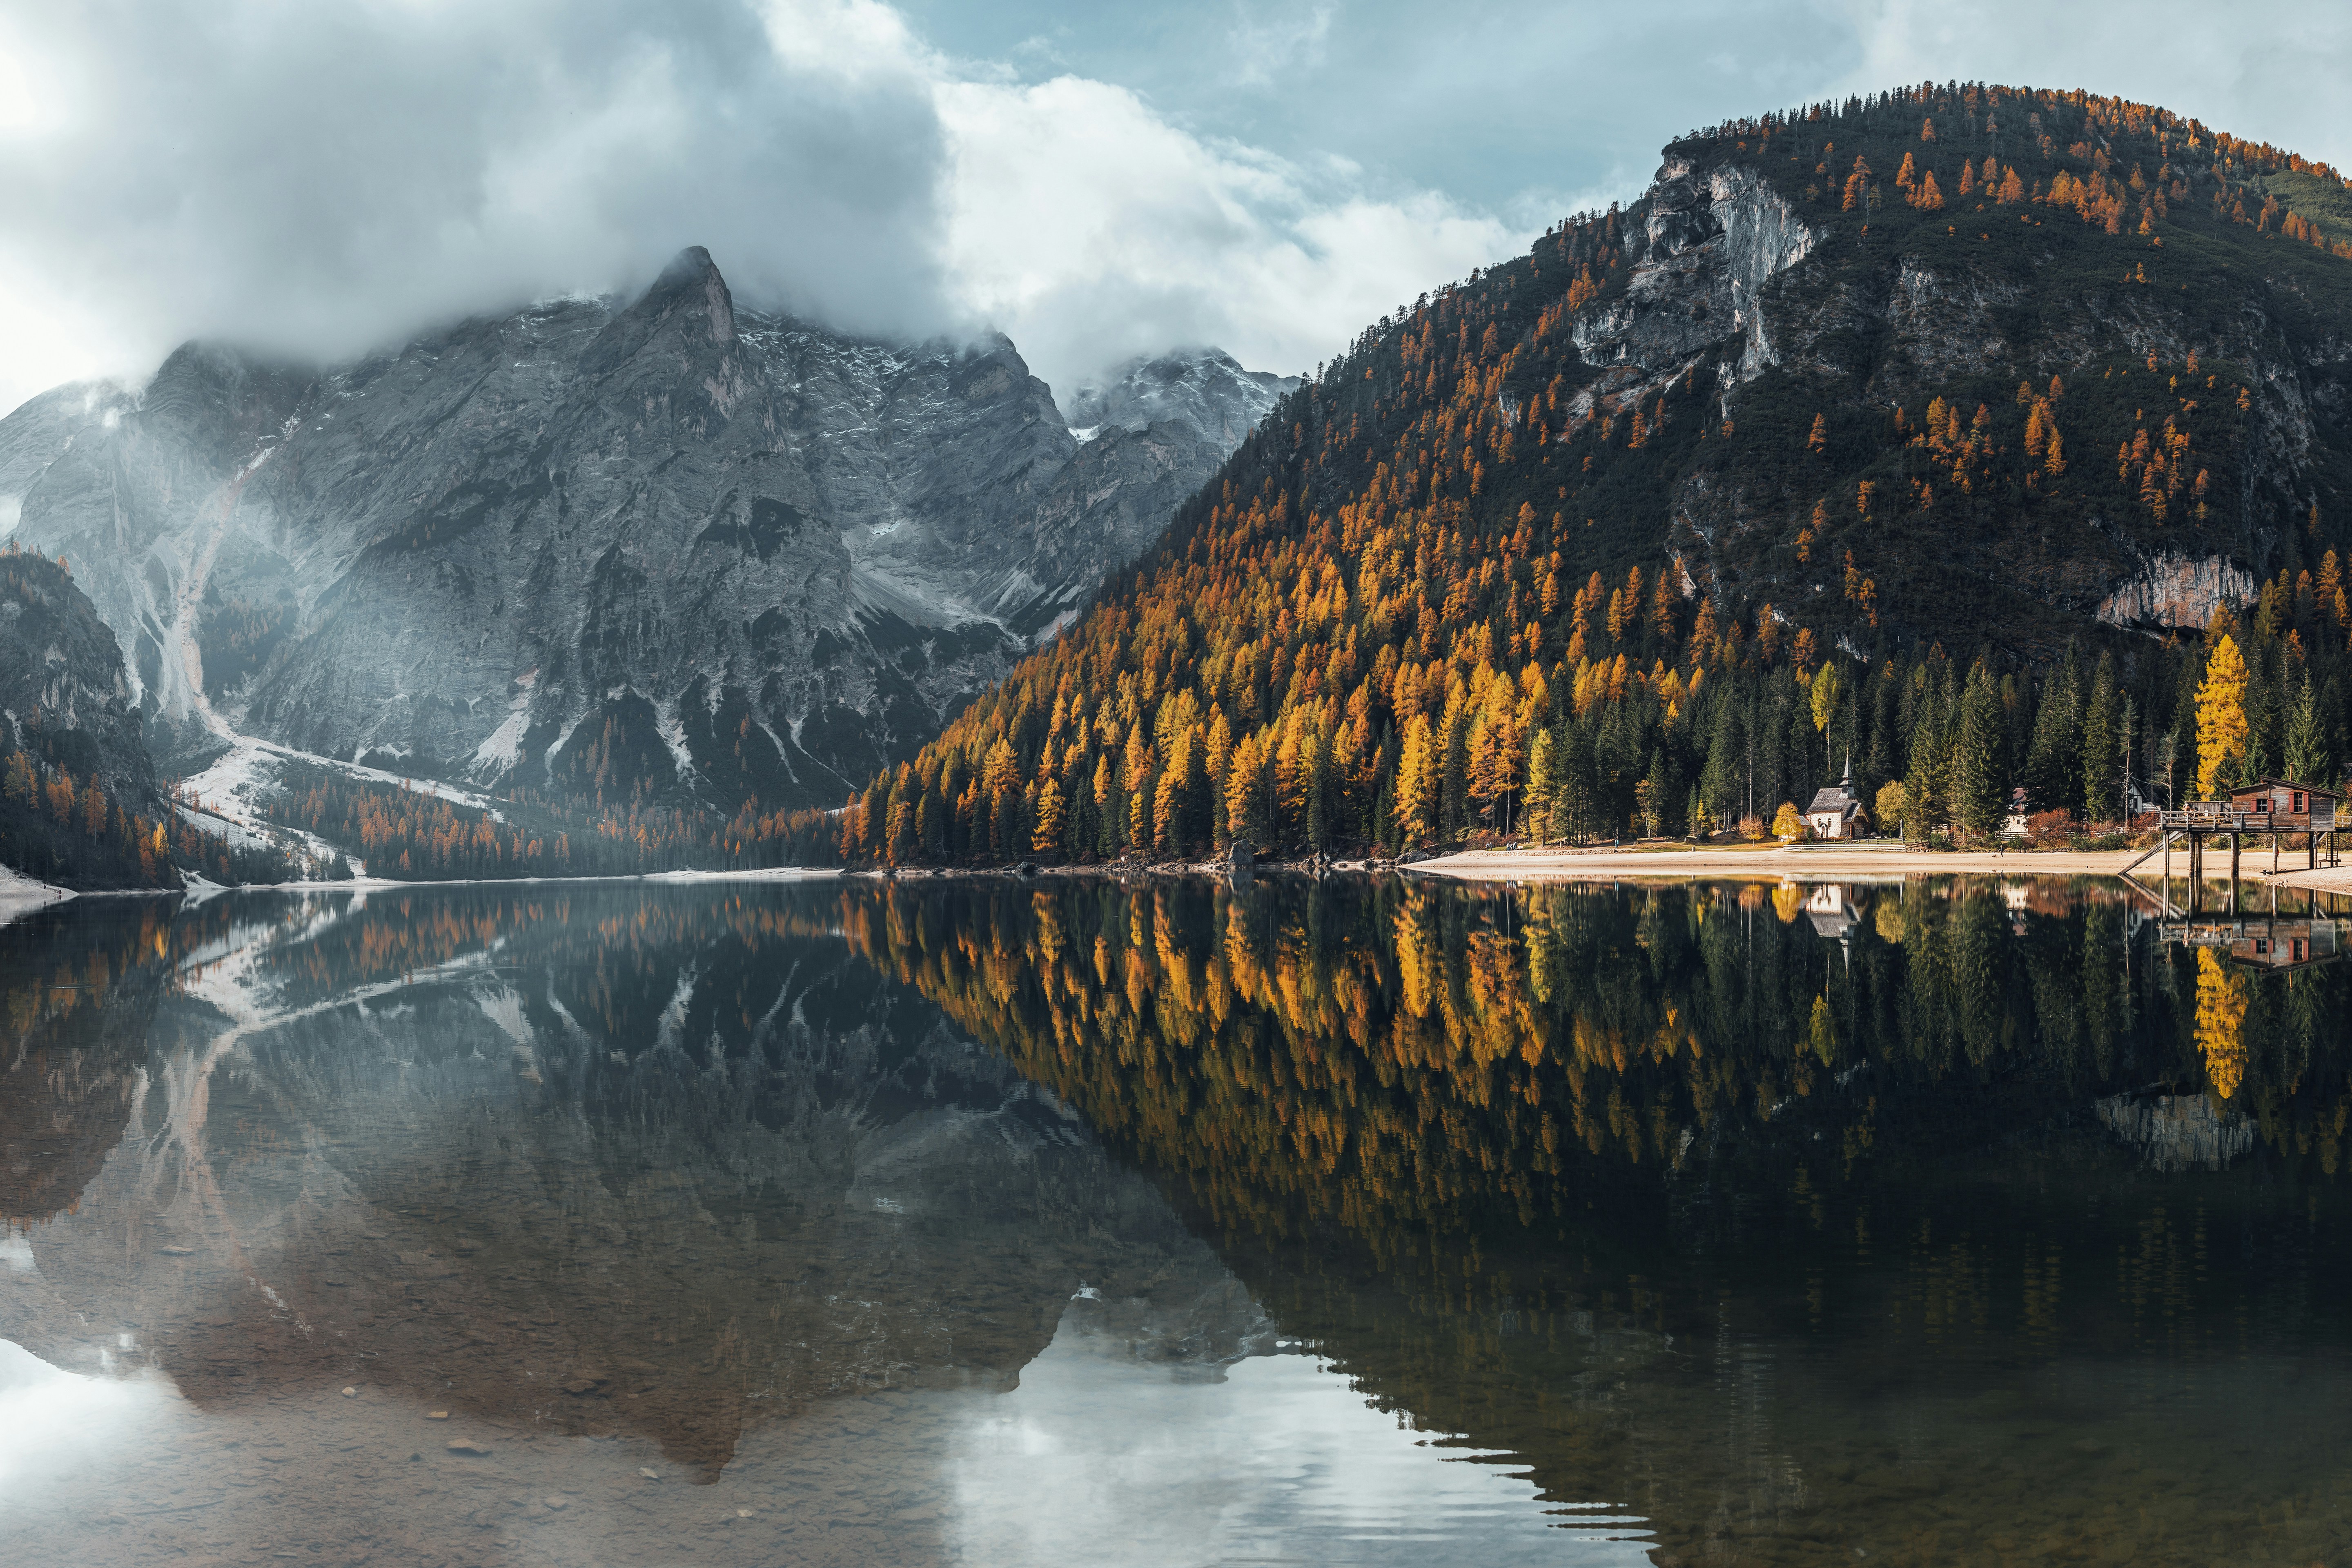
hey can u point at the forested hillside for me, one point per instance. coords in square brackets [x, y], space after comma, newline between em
[81, 805]
[1946, 430]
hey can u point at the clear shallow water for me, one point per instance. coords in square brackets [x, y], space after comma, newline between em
[979, 1224]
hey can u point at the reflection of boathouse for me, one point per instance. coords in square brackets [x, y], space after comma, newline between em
[2261, 943]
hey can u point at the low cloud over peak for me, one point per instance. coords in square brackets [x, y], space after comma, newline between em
[319, 181]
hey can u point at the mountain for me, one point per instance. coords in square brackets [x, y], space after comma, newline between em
[1998, 373]
[40, 430]
[1204, 390]
[81, 805]
[79, 794]
[662, 549]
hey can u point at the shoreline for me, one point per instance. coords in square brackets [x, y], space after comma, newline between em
[1830, 864]
[1775, 863]
[1779, 863]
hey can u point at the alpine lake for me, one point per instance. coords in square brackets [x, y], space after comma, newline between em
[1366, 1220]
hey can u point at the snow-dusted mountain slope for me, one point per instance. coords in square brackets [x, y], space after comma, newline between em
[1204, 390]
[595, 546]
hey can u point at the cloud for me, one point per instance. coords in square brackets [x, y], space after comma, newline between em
[319, 178]
[322, 180]
[1090, 229]
[1268, 41]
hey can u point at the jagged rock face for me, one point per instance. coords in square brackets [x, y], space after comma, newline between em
[1112, 502]
[1738, 271]
[2173, 590]
[675, 546]
[1713, 240]
[40, 431]
[63, 688]
[1204, 390]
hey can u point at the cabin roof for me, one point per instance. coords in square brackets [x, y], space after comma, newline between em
[2266, 784]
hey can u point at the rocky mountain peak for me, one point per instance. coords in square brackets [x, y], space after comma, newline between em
[1204, 389]
[671, 548]
[682, 332]
[691, 282]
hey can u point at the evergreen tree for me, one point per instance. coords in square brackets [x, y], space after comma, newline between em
[1454, 787]
[1720, 781]
[2053, 759]
[1926, 805]
[1660, 793]
[1767, 773]
[2102, 755]
[1976, 772]
[2306, 759]
[1881, 758]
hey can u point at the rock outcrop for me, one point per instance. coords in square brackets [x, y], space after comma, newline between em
[2172, 590]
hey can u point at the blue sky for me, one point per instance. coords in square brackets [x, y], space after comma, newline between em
[1521, 109]
[1095, 179]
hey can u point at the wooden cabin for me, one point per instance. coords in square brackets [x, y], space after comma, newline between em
[2288, 807]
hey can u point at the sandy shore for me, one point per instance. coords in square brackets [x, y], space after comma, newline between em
[1828, 863]
[2327, 880]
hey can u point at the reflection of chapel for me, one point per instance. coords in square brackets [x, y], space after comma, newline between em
[1836, 811]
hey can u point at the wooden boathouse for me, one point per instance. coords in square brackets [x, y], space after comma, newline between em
[2277, 809]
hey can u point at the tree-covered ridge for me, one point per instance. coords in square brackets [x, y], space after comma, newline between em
[79, 802]
[1558, 500]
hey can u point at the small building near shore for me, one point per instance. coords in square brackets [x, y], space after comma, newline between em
[1837, 812]
[2291, 807]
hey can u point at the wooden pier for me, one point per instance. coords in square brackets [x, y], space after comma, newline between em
[2272, 808]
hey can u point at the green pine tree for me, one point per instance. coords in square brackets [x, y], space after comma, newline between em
[1976, 770]
[1922, 785]
[1719, 780]
[2307, 761]
[2052, 774]
[2102, 755]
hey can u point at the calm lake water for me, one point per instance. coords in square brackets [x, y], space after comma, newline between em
[982, 1223]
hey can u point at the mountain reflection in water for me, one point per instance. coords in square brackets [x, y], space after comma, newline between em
[989, 1222]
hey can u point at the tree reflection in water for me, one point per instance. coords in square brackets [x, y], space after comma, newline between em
[1785, 1216]
[1939, 1221]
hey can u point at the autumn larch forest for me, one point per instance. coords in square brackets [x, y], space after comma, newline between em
[1468, 581]
[1547, 555]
